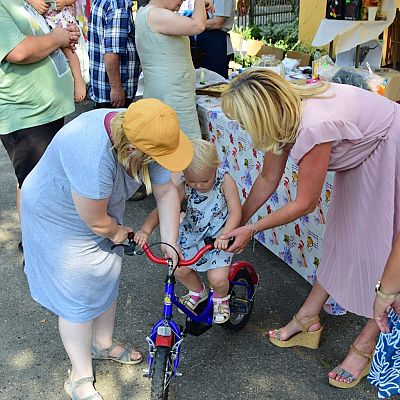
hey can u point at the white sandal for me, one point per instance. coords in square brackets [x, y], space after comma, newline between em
[70, 388]
[222, 312]
[188, 300]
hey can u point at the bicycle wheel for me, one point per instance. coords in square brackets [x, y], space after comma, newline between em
[240, 302]
[162, 373]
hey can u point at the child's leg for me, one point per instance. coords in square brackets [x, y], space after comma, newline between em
[197, 291]
[189, 278]
[218, 279]
[79, 83]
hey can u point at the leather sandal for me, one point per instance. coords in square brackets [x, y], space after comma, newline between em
[304, 338]
[221, 311]
[123, 358]
[71, 387]
[189, 301]
[350, 379]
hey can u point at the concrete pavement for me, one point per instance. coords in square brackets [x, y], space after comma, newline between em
[216, 365]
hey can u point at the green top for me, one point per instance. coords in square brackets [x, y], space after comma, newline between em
[30, 94]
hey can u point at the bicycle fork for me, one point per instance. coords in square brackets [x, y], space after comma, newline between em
[166, 333]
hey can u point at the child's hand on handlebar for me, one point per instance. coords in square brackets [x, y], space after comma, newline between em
[221, 244]
[141, 238]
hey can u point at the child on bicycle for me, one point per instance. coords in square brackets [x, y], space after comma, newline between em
[61, 13]
[213, 208]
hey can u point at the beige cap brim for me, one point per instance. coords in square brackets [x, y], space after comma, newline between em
[179, 159]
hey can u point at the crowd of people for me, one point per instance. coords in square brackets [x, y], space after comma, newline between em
[102, 158]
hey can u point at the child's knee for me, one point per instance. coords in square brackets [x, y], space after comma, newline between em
[219, 281]
[182, 272]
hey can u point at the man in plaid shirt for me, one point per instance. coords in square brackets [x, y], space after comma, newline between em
[114, 62]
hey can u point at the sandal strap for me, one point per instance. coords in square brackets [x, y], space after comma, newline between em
[82, 381]
[305, 326]
[101, 353]
[198, 294]
[221, 299]
[368, 356]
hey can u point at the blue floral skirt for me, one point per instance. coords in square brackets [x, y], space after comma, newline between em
[385, 368]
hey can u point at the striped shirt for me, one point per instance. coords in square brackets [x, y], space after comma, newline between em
[112, 30]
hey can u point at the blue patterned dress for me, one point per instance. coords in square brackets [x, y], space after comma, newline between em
[385, 368]
[206, 215]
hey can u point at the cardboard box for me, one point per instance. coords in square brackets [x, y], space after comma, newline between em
[259, 48]
[392, 90]
[304, 58]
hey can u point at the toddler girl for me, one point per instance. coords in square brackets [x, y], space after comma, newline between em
[213, 208]
[61, 13]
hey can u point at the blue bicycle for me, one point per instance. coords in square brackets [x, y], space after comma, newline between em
[166, 336]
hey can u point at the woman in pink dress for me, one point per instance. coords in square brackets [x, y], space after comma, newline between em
[338, 128]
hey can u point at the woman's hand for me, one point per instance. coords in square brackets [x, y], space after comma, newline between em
[39, 5]
[169, 252]
[61, 4]
[141, 238]
[242, 235]
[121, 234]
[210, 7]
[381, 307]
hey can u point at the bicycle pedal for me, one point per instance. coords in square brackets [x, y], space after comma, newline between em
[178, 374]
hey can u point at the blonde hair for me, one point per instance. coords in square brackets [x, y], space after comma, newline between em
[268, 106]
[205, 156]
[130, 158]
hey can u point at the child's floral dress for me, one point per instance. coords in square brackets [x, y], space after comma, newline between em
[61, 18]
[206, 215]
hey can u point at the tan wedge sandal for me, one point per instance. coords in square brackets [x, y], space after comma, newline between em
[350, 379]
[304, 338]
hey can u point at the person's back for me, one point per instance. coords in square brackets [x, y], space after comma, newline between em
[168, 71]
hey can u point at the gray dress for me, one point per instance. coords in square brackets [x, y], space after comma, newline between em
[72, 271]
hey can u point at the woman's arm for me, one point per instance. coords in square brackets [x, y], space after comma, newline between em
[265, 184]
[231, 195]
[168, 206]
[94, 214]
[35, 48]
[63, 3]
[170, 23]
[312, 172]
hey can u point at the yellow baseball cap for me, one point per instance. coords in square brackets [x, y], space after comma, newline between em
[153, 127]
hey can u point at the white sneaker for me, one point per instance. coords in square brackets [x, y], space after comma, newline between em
[222, 312]
[192, 299]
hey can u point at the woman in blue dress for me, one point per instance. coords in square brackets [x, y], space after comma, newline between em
[385, 368]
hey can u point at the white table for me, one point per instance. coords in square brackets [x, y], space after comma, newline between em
[299, 243]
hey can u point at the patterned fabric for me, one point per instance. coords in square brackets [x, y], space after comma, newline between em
[385, 368]
[61, 18]
[206, 215]
[112, 30]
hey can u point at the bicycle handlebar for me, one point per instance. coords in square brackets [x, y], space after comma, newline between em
[129, 249]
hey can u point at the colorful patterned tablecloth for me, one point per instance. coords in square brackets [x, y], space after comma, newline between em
[299, 243]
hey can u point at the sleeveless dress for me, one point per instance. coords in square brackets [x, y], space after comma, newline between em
[206, 215]
[168, 72]
[364, 215]
[385, 368]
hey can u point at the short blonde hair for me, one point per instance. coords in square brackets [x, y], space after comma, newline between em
[205, 156]
[134, 160]
[267, 106]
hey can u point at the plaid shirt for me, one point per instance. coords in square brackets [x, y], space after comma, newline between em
[112, 30]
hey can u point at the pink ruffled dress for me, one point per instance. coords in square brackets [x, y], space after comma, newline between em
[364, 215]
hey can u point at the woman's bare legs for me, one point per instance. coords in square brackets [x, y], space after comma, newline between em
[364, 342]
[79, 83]
[77, 339]
[311, 308]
